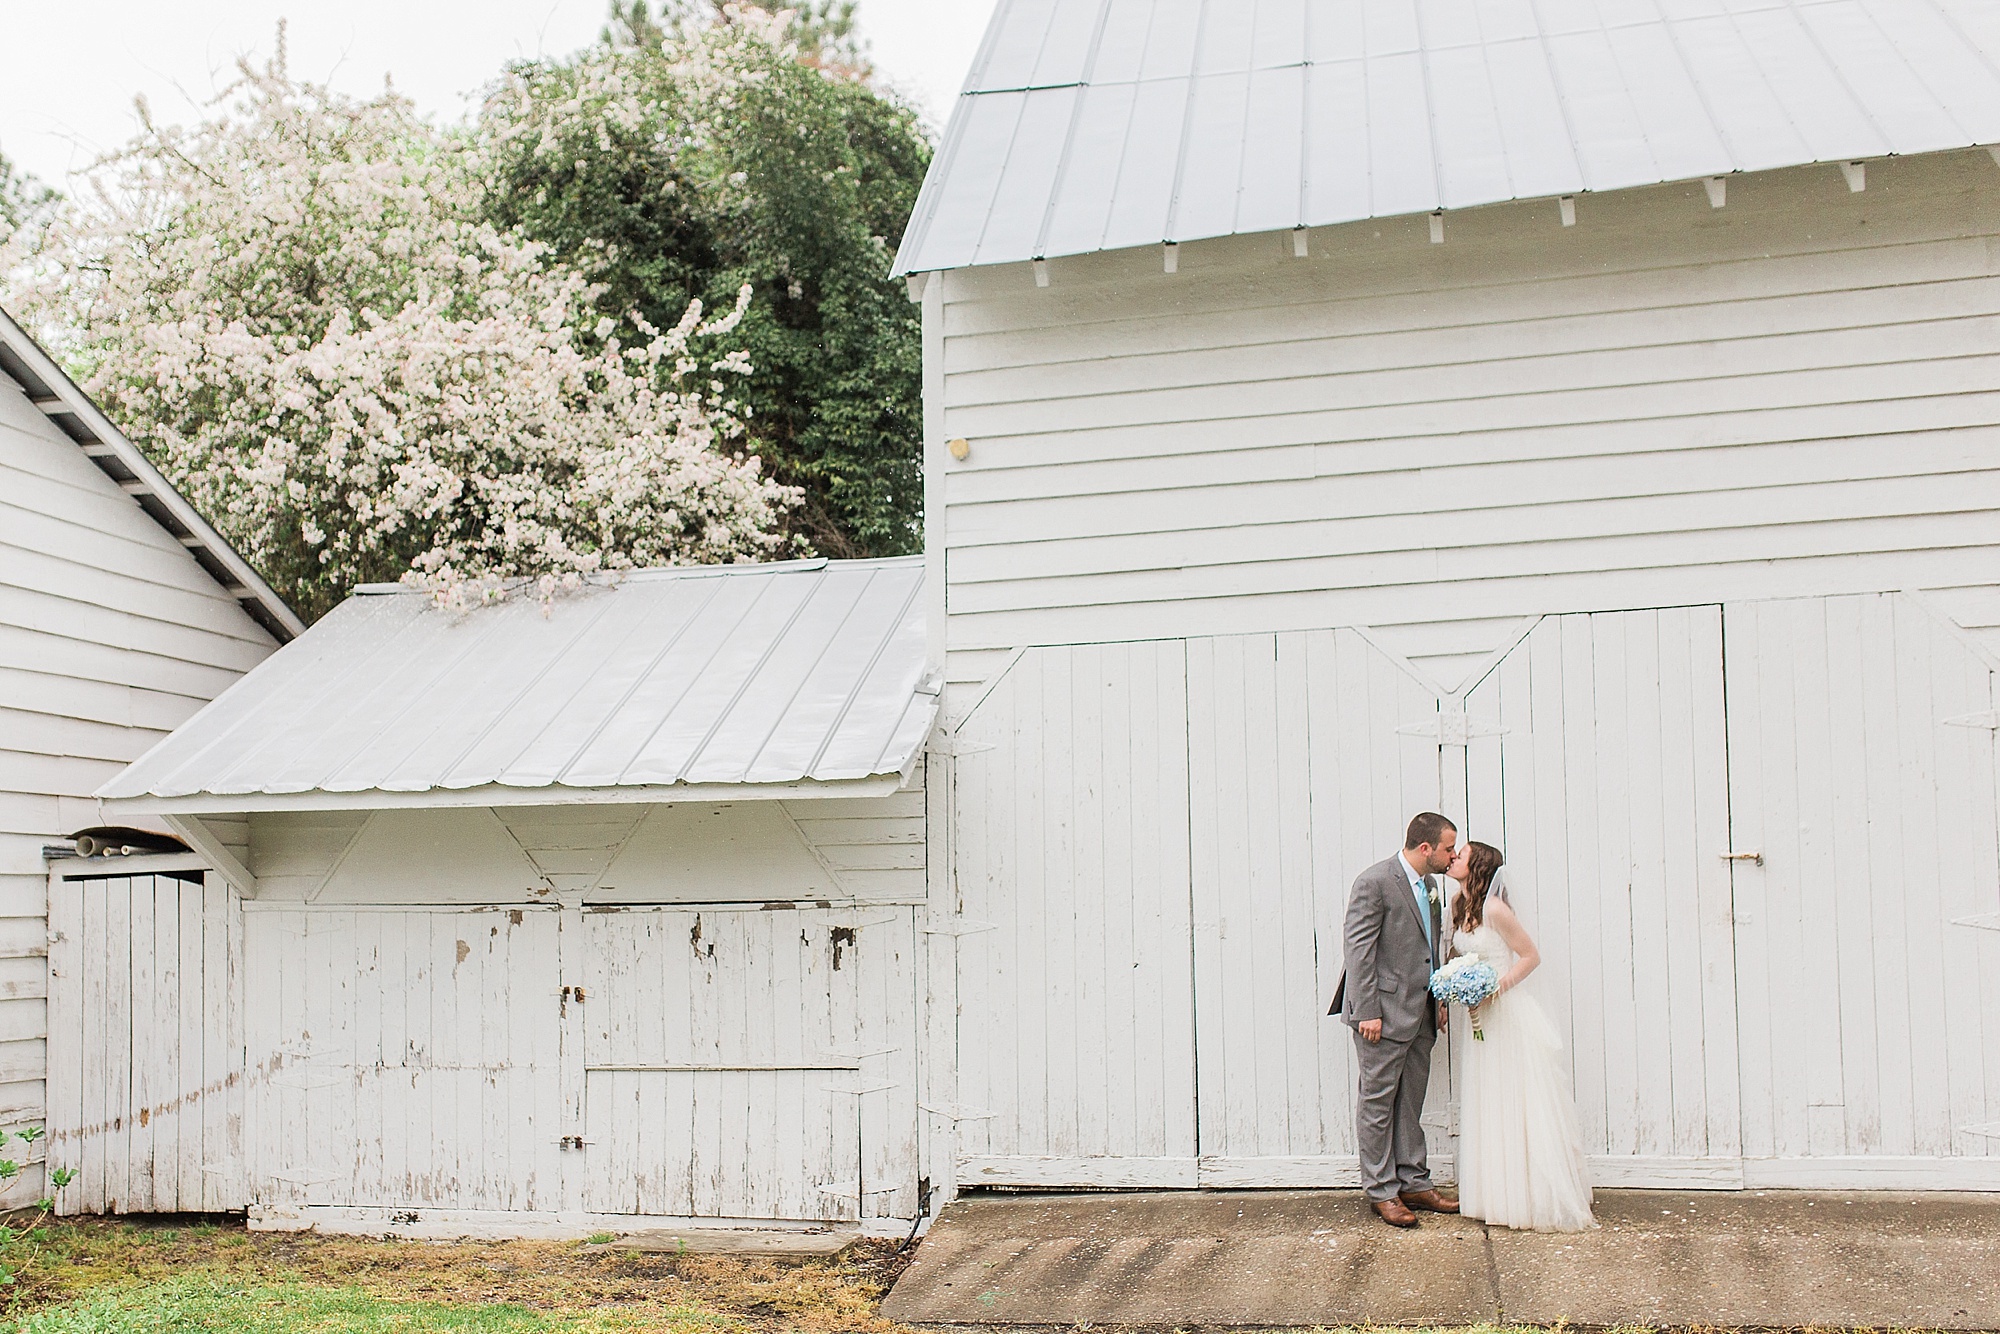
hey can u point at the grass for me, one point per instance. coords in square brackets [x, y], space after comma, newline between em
[90, 1277]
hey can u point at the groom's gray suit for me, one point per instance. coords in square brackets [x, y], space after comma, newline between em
[1389, 965]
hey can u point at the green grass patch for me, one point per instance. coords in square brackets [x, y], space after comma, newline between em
[202, 1304]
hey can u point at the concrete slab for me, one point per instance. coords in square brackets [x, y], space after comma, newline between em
[1303, 1258]
[1182, 1258]
[799, 1244]
[1906, 1260]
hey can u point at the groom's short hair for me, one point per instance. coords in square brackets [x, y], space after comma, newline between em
[1427, 828]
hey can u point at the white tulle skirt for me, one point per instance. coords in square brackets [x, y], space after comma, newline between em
[1520, 1156]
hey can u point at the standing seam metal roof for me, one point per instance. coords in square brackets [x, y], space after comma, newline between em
[1091, 125]
[719, 674]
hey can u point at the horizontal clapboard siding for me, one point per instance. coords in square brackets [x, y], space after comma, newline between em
[1796, 395]
[110, 637]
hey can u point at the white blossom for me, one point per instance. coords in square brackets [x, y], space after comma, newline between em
[295, 309]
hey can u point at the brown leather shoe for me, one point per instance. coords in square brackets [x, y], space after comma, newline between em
[1431, 1200]
[1392, 1212]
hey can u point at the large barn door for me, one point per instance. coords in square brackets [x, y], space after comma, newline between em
[1075, 1003]
[146, 1051]
[1596, 758]
[749, 1063]
[1862, 736]
[1307, 754]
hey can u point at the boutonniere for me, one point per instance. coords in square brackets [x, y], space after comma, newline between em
[1437, 897]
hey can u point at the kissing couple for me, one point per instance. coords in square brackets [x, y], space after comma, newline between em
[1520, 1156]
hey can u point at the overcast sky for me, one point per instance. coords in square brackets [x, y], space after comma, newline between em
[72, 73]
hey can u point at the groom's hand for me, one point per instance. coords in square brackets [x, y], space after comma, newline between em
[1370, 1030]
[1444, 1015]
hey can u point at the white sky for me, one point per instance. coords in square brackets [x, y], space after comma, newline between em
[72, 73]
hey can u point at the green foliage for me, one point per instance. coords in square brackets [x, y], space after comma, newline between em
[684, 159]
[22, 197]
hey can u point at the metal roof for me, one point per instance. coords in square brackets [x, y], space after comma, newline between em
[24, 361]
[805, 670]
[1092, 125]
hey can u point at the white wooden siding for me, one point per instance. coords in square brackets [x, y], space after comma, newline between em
[403, 1058]
[1666, 404]
[1863, 769]
[146, 1071]
[750, 1064]
[1601, 772]
[1075, 1016]
[846, 849]
[110, 636]
[1304, 748]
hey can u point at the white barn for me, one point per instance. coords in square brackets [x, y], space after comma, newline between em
[1581, 418]
[600, 914]
[121, 614]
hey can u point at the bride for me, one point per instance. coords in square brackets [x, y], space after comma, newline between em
[1520, 1158]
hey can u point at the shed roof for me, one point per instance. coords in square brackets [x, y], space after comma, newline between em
[28, 365]
[739, 674]
[1092, 125]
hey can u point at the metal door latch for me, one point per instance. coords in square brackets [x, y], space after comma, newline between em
[1755, 858]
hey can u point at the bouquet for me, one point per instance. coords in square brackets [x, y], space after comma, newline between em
[1468, 980]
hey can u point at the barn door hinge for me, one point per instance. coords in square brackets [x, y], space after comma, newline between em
[1452, 727]
[1988, 719]
[571, 1142]
[1985, 921]
[571, 994]
[953, 1112]
[853, 1190]
[961, 926]
[858, 1089]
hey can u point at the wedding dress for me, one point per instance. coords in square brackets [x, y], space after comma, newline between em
[1520, 1156]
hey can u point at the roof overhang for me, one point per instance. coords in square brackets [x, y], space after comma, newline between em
[209, 803]
[50, 389]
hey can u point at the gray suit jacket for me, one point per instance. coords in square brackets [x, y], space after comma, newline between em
[1388, 963]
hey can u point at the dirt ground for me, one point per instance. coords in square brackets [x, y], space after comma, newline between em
[65, 1260]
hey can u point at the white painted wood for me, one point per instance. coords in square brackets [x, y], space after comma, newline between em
[564, 1225]
[451, 1072]
[110, 636]
[1648, 411]
[1101, 1173]
[135, 1083]
[1869, 1018]
[1608, 790]
[1075, 1016]
[749, 1063]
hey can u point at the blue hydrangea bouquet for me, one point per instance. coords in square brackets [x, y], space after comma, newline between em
[1466, 980]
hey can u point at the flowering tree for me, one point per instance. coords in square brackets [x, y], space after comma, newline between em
[21, 197]
[298, 309]
[720, 146]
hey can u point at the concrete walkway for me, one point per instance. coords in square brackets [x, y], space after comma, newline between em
[1302, 1258]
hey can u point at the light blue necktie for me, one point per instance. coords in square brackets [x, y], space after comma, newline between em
[1423, 909]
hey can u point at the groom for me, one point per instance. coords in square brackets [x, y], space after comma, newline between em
[1395, 926]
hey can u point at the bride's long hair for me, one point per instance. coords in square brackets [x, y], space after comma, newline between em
[1482, 862]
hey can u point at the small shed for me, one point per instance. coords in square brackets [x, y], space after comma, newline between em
[543, 917]
[1581, 418]
[122, 613]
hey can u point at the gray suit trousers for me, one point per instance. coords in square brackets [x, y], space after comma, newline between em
[1387, 1118]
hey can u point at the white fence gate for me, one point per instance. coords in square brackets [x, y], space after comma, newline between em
[146, 1071]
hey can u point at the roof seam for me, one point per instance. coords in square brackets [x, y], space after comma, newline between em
[860, 680]
[1069, 137]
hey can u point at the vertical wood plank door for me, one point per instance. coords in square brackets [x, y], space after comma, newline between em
[403, 1058]
[1073, 920]
[146, 1045]
[1862, 746]
[1596, 759]
[750, 1064]
[1308, 754]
